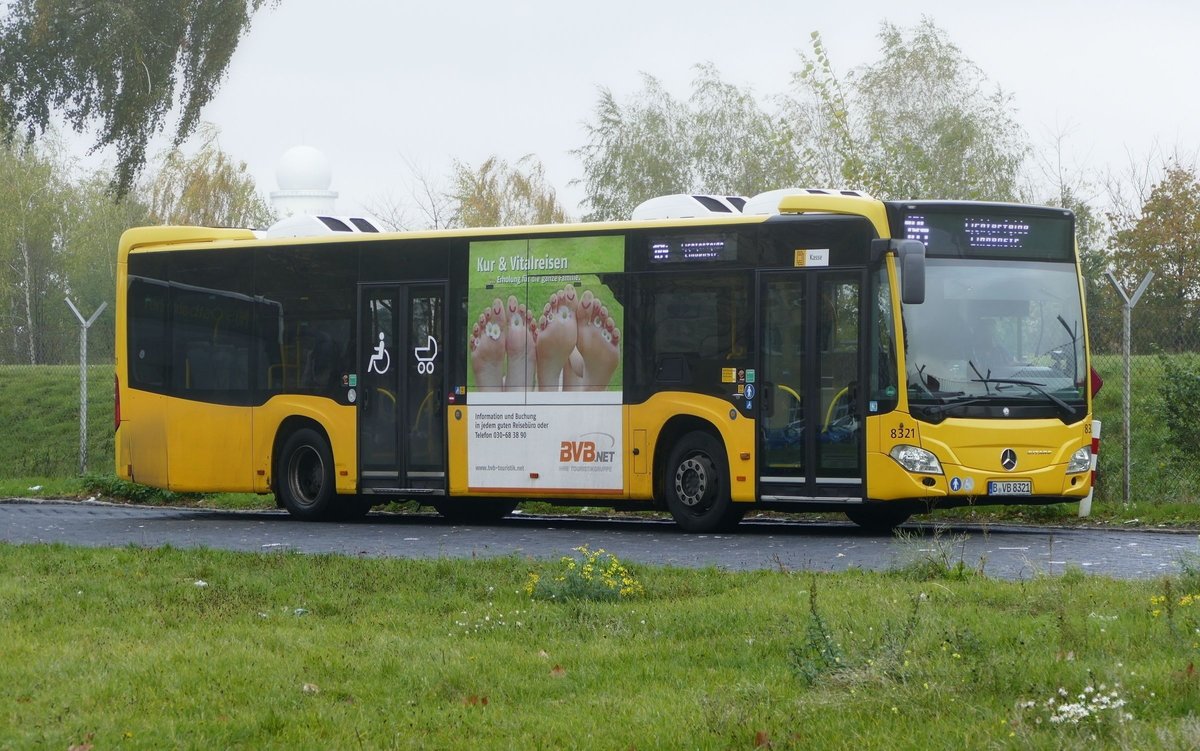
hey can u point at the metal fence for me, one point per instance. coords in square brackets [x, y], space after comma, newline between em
[1146, 347]
[41, 403]
[40, 418]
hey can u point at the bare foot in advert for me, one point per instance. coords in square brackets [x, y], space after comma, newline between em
[598, 342]
[556, 334]
[488, 348]
[519, 347]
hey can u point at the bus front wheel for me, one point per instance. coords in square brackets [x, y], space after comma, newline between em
[305, 475]
[697, 484]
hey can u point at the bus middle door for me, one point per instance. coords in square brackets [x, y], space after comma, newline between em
[402, 387]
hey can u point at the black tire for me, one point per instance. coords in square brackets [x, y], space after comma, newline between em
[468, 511]
[879, 518]
[696, 485]
[304, 476]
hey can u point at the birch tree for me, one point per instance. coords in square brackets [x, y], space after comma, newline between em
[119, 68]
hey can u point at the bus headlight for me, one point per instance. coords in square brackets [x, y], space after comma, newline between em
[916, 460]
[1081, 461]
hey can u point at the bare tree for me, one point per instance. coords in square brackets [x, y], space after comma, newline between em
[425, 196]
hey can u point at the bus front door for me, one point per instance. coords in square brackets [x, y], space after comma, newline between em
[401, 390]
[810, 430]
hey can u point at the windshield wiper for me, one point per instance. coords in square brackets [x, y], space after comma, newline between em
[1067, 409]
[941, 409]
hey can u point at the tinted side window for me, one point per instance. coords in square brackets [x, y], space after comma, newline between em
[212, 326]
[305, 309]
[687, 329]
[149, 352]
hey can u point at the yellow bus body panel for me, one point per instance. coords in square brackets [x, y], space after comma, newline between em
[836, 203]
[338, 421]
[164, 237]
[736, 431]
[142, 442]
[970, 450]
[208, 447]
[187, 446]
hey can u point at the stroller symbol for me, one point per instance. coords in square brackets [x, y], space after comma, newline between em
[381, 355]
[425, 356]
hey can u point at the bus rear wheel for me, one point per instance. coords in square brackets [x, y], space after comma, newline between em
[697, 484]
[304, 473]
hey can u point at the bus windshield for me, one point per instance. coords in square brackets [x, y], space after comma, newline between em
[993, 335]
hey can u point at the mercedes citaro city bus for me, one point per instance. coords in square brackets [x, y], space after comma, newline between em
[803, 350]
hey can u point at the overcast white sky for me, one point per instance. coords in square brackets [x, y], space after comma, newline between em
[371, 82]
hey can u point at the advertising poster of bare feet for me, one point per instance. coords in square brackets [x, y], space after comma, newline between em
[545, 351]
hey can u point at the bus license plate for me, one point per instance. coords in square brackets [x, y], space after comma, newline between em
[1010, 487]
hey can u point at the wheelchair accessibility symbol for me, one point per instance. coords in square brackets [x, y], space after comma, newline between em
[381, 356]
[425, 356]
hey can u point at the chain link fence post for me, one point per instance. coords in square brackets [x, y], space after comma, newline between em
[84, 325]
[1128, 302]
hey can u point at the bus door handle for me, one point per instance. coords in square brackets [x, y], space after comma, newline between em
[767, 398]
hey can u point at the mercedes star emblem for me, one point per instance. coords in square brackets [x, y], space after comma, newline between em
[1008, 459]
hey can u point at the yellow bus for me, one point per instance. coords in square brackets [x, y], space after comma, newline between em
[803, 350]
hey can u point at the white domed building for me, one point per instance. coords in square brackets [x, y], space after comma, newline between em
[304, 203]
[303, 176]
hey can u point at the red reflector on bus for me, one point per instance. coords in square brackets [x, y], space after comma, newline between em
[116, 402]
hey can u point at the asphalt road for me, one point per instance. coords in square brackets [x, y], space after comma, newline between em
[1007, 552]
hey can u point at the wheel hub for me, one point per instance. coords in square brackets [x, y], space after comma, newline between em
[692, 480]
[306, 474]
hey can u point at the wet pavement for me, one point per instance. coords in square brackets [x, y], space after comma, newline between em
[1006, 552]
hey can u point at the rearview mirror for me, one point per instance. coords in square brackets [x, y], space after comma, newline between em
[912, 270]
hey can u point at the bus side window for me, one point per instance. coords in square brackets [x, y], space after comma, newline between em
[149, 345]
[690, 328]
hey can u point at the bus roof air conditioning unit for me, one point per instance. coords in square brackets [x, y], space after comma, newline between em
[687, 206]
[768, 202]
[309, 225]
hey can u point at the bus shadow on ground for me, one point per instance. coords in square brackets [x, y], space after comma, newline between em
[751, 527]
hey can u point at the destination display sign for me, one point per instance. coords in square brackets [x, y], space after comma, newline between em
[958, 232]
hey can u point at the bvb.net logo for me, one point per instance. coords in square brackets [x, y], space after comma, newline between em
[599, 450]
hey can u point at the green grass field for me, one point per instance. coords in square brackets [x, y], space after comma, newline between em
[133, 648]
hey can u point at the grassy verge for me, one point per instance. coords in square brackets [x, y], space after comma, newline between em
[135, 648]
[1105, 513]
[39, 407]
